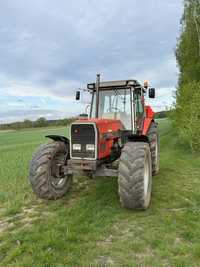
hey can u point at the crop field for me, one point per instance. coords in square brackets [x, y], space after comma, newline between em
[88, 227]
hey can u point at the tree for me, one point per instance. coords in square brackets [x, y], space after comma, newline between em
[187, 113]
[27, 124]
[41, 122]
[188, 47]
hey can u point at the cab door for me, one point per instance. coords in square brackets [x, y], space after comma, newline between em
[139, 110]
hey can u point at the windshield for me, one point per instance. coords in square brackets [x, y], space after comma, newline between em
[114, 104]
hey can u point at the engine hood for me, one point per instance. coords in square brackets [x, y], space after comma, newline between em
[104, 125]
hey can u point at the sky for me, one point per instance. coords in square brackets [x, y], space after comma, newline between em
[49, 49]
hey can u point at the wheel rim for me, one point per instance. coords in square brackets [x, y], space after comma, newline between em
[58, 182]
[57, 179]
[146, 178]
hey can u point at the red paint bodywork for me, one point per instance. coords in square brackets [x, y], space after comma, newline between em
[108, 129]
[148, 119]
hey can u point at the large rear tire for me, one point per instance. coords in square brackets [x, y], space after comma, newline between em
[154, 147]
[46, 180]
[135, 176]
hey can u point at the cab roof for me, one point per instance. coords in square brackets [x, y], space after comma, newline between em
[114, 84]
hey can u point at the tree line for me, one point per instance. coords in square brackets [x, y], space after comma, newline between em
[41, 122]
[186, 115]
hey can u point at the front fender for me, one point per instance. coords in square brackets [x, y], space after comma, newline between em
[58, 138]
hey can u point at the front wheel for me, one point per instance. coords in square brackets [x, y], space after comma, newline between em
[135, 176]
[45, 173]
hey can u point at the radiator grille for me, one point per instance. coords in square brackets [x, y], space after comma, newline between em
[82, 134]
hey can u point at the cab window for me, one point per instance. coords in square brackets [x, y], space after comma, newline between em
[138, 104]
[114, 104]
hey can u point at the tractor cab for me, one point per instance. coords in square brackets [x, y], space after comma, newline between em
[119, 100]
[114, 103]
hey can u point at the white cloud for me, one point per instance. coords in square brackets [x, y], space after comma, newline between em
[49, 49]
[23, 88]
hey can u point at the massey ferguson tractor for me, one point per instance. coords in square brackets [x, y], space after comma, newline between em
[118, 138]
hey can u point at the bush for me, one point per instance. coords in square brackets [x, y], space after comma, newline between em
[187, 114]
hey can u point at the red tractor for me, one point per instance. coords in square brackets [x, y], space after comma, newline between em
[118, 138]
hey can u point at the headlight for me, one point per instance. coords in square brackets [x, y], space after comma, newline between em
[76, 147]
[90, 147]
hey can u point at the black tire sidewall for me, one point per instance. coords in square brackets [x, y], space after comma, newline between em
[40, 171]
[131, 179]
[60, 148]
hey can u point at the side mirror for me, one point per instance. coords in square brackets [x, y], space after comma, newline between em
[152, 93]
[78, 95]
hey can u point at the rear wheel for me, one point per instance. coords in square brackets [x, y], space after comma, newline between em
[45, 174]
[135, 176]
[154, 147]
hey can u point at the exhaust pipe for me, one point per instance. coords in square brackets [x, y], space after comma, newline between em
[97, 95]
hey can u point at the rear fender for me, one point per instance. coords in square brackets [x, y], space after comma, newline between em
[58, 138]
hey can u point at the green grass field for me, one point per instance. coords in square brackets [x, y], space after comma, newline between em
[88, 227]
